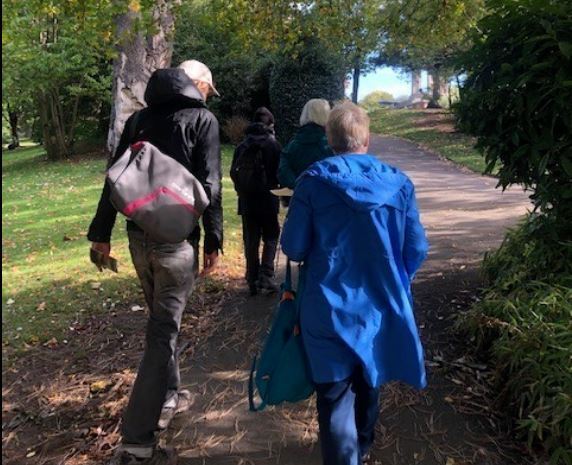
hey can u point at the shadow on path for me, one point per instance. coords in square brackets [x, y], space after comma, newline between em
[452, 422]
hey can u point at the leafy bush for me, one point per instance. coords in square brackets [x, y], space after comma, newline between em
[315, 73]
[234, 129]
[516, 98]
[371, 100]
[524, 321]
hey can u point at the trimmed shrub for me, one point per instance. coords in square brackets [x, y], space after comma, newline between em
[315, 73]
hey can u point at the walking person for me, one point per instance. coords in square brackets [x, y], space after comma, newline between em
[179, 124]
[308, 145]
[354, 223]
[254, 173]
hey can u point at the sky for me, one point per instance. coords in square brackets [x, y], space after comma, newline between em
[386, 79]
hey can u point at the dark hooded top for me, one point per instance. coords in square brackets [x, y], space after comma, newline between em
[177, 122]
[308, 145]
[261, 203]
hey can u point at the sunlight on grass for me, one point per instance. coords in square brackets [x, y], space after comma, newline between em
[48, 279]
[411, 125]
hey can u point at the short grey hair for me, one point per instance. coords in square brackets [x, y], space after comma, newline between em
[347, 128]
[315, 111]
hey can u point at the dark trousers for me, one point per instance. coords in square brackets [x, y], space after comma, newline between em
[254, 228]
[347, 413]
[167, 274]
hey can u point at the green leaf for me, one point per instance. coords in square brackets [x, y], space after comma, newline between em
[566, 49]
[566, 163]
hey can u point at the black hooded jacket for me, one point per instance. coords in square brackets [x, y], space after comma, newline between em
[177, 122]
[261, 203]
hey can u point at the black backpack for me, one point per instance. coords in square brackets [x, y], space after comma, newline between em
[247, 171]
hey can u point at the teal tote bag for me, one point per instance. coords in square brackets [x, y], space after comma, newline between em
[281, 373]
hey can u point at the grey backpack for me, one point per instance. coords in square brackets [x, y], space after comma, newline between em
[157, 193]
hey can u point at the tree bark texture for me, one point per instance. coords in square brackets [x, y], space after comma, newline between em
[355, 87]
[415, 81]
[53, 130]
[13, 117]
[138, 57]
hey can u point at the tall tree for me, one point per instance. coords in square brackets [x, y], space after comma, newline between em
[354, 29]
[144, 44]
[350, 28]
[57, 53]
[428, 35]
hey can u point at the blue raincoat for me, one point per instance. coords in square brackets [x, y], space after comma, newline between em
[353, 221]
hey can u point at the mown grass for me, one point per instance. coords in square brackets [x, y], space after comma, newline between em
[430, 130]
[48, 280]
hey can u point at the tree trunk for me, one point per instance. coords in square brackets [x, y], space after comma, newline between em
[355, 87]
[138, 57]
[436, 85]
[415, 81]
[53, 131]
[13, 120]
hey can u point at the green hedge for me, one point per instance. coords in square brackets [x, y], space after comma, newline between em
[315, 73]
[524, 322]
[516, 98]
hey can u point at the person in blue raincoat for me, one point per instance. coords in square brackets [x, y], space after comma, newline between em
[353, 222]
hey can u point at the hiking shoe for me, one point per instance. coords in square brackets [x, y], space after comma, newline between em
[252, 289]
[266, 283]
[184, 401]
[160, 456]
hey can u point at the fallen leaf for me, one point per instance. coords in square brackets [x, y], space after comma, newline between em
[100, 386]
[30, 454]
[52, 343]
[450, 461]
[448, 399]
[137, 308]
[10, 302]
[41, 306]
[96, 286]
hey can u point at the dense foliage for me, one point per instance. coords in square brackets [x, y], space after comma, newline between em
[428, 35]
[516, 98]
[315, 73]
[241, 75]
[525, 321]
[371, 100]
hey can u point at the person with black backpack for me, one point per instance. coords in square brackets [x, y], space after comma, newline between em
[254, 173]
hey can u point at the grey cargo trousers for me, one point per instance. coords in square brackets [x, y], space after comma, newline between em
[167, 273]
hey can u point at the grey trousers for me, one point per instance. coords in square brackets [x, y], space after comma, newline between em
[167, 273]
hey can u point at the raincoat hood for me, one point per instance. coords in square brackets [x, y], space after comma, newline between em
[361, 180]
[172, 84]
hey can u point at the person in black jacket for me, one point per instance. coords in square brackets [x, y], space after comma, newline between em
[258, 207]
[177, 122]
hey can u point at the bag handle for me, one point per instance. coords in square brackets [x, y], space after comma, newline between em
[251, 405]
[288, 279]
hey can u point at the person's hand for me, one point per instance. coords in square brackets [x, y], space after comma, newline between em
[102, 247]
[210, 262]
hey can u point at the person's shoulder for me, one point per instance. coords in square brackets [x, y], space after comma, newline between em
[201, 114]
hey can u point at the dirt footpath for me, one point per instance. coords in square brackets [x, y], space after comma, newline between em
[452, 422]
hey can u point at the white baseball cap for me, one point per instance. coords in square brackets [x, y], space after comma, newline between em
[198, 71]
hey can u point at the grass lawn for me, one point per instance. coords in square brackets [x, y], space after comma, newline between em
[49, 281]
[430, 129]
